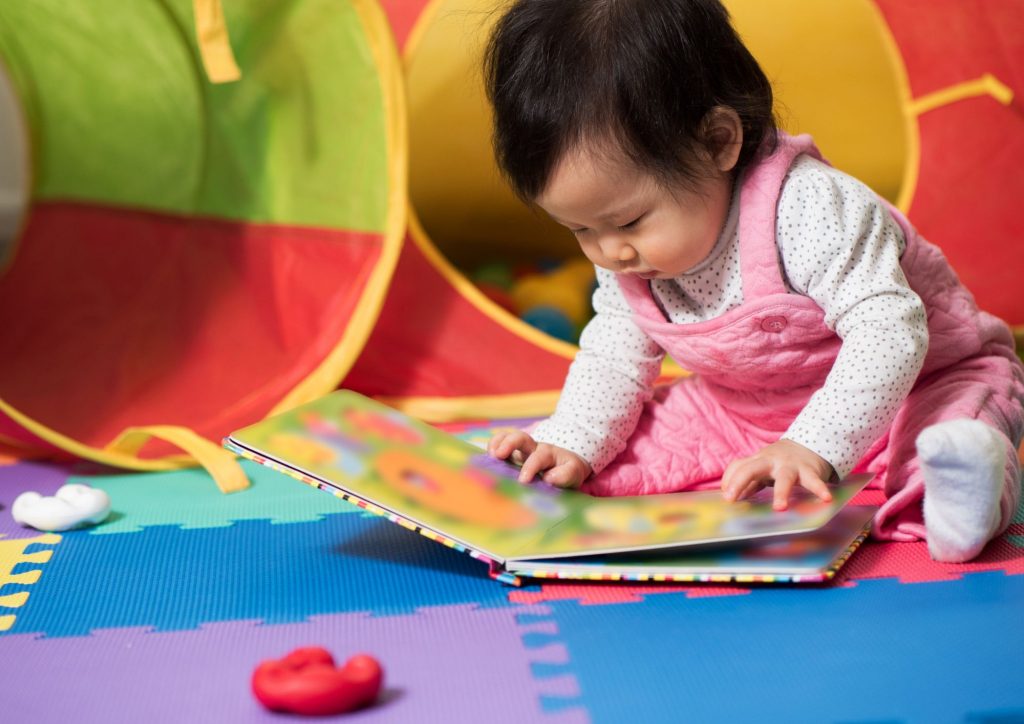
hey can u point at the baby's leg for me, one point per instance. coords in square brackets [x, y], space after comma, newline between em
[684, 440]
[964, 464]
[954, 466]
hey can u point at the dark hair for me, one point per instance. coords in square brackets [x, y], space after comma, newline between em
[642, 74]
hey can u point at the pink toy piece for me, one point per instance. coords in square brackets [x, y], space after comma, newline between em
[306, 681]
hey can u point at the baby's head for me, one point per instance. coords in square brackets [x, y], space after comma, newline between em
[654, 93]
[637, 76]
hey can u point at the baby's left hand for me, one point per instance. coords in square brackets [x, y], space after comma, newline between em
[787, 464]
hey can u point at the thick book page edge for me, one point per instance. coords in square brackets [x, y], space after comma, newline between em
[581, 574]
[844, 491]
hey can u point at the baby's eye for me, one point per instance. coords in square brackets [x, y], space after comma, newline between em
[632, 223]
[577, 232]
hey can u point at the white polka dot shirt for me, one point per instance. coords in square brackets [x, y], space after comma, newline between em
[839, 246]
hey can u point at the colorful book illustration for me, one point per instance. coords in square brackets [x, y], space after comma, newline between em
[452, 492]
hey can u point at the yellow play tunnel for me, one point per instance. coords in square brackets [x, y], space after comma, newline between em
[848, 98]
[882, 87]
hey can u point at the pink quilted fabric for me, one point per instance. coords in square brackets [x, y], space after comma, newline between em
[758, 365]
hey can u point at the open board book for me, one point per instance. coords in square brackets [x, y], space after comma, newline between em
[454, 493]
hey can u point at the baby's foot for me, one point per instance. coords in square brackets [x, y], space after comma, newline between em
[963, 462]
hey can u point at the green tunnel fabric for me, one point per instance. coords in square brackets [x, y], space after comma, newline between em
[121, 112]
[193, 253]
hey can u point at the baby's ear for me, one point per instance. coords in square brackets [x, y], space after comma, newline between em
[723, 136]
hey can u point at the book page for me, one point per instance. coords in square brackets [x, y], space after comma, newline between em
[413, 470]
[444, 484]
[647, 522]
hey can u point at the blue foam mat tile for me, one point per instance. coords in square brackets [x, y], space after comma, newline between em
[173, 578]
[878, 651]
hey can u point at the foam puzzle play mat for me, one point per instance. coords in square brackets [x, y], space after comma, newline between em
[213, 212]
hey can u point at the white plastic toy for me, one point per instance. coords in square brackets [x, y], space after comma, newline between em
[74, 505]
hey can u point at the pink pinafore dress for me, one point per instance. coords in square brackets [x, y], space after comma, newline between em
[756, 366]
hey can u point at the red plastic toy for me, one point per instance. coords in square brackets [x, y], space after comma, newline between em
[306, 681]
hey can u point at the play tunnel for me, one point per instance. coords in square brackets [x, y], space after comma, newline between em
[921, 100]
[190, 256]
[180, 257]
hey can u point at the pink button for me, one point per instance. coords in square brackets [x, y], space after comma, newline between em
[773, 324]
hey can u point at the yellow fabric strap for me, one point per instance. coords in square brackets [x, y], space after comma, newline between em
[214, 44]
[218, 462]
[986, 85]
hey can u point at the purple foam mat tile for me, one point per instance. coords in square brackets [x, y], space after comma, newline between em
[444, 664]
[42, 478]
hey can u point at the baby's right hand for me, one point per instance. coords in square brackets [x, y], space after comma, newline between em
[559, 467]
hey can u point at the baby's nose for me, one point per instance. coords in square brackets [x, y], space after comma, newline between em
[626, 253]
[617, 249]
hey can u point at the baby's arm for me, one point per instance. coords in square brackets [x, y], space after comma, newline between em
[841, 247]
[605, 390]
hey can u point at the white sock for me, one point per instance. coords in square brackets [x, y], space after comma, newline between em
[963, 462]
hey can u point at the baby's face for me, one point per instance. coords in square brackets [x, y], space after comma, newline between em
[628, 223]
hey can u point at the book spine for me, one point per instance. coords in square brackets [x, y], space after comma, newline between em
[498, 573]
[677, 577]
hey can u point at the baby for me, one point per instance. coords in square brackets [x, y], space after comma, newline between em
[825, 336]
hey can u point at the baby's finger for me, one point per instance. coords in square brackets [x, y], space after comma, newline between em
[784, 482]
[727, 477]
[495, 443]
[816, 485]
[742, 477]
[561, 476]
[540, 459]
[749, 487]
[732, 480]
[515, 441]
[752, 486]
